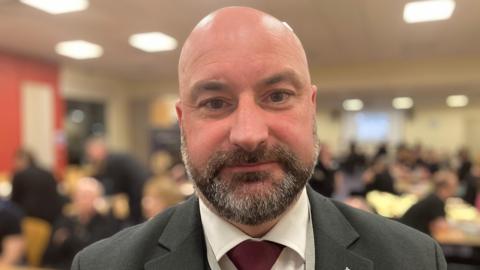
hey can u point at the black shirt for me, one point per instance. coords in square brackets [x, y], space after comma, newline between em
[421, 214]
[34, 190]
[471, 190]
[9, 222]
[78, 236]
[382, 181]
[323, 179]
[120, 173]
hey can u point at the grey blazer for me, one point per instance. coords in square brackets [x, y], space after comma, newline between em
[345, 238]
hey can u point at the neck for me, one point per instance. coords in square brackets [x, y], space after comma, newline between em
[256, 231]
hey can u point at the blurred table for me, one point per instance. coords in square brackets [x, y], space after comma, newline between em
[461, 240]
[464, 224]
[464, 234]
[390, 205]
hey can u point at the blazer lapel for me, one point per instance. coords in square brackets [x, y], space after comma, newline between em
[333, 236]
[182, 244]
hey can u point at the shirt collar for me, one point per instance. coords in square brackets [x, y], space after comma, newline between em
[290, 231]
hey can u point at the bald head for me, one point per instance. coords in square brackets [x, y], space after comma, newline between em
[86, 195]
[242, 31]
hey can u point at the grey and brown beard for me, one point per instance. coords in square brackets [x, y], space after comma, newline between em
[228, 199]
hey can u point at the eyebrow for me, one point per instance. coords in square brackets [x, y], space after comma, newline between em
[207, 85]
[213, 85]
[289, 76]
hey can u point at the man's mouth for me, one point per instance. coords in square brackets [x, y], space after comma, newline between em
[251, 167]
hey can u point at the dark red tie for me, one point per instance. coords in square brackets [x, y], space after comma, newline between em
[255, 255]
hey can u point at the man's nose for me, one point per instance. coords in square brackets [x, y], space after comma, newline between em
[249, 129]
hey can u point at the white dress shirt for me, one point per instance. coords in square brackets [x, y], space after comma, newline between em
[290, 231]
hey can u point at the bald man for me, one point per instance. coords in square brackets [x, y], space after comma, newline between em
[247, 115]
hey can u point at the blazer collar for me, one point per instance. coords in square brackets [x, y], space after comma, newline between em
[182, 243]
[333, 237]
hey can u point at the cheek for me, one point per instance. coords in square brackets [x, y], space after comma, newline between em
[204, 138]
[296, 132]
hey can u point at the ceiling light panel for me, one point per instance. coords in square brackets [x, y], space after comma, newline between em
[57, 6]
[456, 101]
[79, 49]
[153, 42]
[353, 105]
[402, 103]
[425, 11]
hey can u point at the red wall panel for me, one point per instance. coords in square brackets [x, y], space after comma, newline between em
[9, 112]
[14, 71]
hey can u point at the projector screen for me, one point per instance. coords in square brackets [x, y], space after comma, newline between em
[372, 127]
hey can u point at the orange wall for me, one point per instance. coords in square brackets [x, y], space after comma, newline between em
[13, 71]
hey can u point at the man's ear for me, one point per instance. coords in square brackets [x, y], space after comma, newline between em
[178, 109]
[314, 95]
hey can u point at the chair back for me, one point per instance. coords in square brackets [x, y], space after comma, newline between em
[37, 236]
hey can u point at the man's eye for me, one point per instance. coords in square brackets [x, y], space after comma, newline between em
[278, 97]
[214, 104]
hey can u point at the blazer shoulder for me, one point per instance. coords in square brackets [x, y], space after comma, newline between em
[371, 224]
[390, 241]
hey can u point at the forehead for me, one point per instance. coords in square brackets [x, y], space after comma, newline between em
[250, 44]
[242, 64]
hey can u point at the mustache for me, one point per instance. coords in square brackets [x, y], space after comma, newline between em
[238, 156]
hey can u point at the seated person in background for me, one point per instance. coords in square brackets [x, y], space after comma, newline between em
[378, 177]
[472, 191]
[158, 195]
[465, 165]
[34, 189]
[72, 233]
[354, 161]
[326, 178]
[118, 173]
[428, 215]
[11, 240]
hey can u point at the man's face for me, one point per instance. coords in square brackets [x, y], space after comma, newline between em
[247, 119]
[96, 151]
[84, 198]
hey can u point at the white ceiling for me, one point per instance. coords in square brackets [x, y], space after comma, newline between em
[334, 32]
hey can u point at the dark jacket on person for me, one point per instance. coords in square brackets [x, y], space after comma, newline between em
[471, 190]
[34, 190]
[10, 221]
[382, 181]
[425, 211]
[323, 179]
[344, 237]
[59, 255]
[120, 173]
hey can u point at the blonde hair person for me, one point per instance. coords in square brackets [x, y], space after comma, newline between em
[159, 194]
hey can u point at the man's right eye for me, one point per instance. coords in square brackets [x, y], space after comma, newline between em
[214, 104]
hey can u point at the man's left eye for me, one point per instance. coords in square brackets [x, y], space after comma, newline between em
[278, 97]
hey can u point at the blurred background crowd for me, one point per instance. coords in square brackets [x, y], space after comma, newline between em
[45, 221]
[89, 142]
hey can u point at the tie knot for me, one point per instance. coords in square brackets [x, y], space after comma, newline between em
[255, 255]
